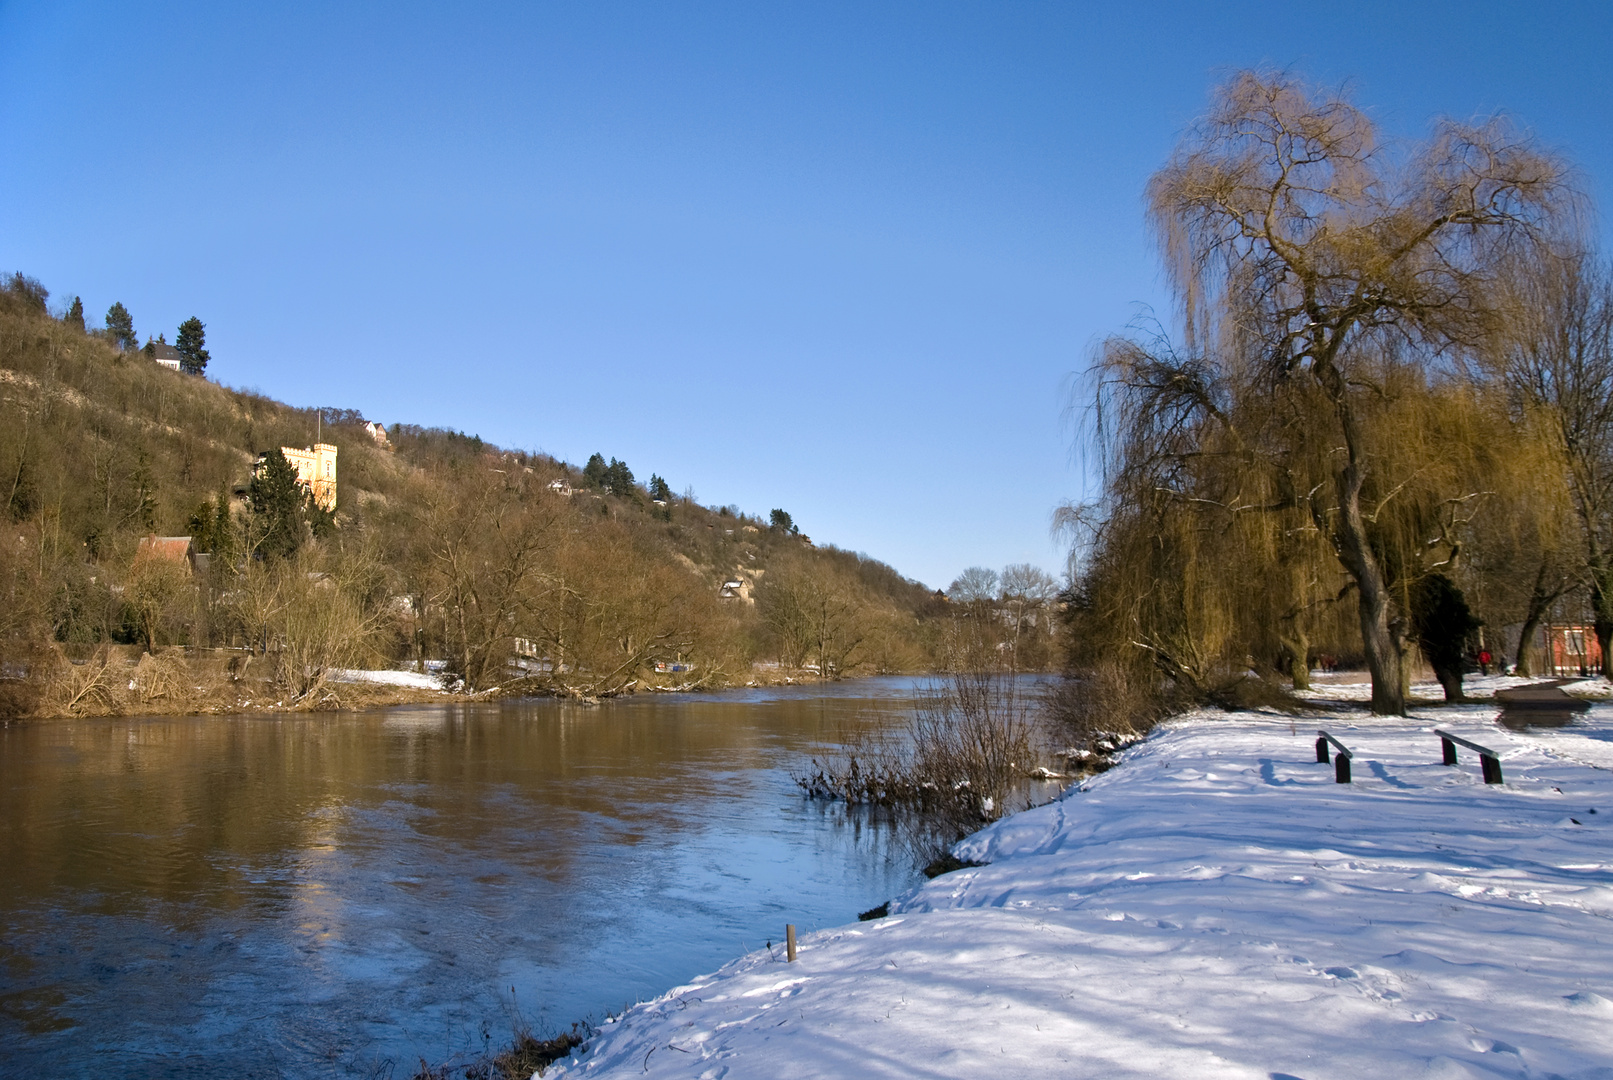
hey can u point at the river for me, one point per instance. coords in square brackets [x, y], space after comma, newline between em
[297, 895]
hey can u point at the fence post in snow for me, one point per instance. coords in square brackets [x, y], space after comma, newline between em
[789, 941]
[1341, 766]
[1489, 760]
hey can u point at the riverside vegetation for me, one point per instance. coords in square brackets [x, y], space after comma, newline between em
[518, 572]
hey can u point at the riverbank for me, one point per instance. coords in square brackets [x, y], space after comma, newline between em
[126, 681]
[1216, 906]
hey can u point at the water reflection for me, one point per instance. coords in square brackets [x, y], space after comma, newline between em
[323, 895]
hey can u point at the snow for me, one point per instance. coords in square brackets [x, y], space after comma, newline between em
[420, 680]
[1214, 907]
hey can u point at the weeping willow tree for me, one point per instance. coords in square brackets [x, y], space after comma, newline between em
[1312, 440]
[1556, 361]
[1316, 446]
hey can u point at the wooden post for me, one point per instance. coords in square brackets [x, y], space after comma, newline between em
[1448, 750]
[1491, 767]
[1341, 769]
[1321, 750]
[789, 941]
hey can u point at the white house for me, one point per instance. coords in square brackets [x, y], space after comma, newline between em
[166, 355]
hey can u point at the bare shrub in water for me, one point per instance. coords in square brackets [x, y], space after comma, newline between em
[971, 740]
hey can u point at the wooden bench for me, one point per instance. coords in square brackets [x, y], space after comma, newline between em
[1341, 767]
[1489, 760]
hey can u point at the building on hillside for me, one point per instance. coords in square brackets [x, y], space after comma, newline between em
[166, 355]
[316, 469]
[378, 433]
[178, 549]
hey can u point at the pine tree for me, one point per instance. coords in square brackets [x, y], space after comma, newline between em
[659, 489]
[189, 344]
[74, 319]
[593, 473]
[279, 502]
[780, 521]
[619, 478]
[120, 328]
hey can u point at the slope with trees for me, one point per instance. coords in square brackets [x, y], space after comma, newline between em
[444, 547]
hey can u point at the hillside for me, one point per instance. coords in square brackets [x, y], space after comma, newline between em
[512, 567]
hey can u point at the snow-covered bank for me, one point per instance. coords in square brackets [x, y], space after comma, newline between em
[419, 680]
[1215, 907]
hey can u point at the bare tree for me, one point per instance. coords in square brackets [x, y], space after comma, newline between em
[488, 537]
[815, 616]
[154, 591]
[1558, 363]
[976, 585]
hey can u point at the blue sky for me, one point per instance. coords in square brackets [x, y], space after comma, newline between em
[842, 259]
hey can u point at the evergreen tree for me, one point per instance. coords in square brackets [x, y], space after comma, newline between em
[618, 478]
[593, 473]
[189, 344]
[279, 503]
[659, 489]
[780, 521]
[74, 319]
[201, 526]
[211, 527]
[223, 537]
[1444, 626]
[120, 328]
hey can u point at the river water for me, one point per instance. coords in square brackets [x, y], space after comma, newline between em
[348, 894]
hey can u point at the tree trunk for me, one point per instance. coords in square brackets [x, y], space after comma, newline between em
[1298, 648]
[1381, 636]
[1379, 639]
[1602, 609]
[1540, 600]
[1451, 681]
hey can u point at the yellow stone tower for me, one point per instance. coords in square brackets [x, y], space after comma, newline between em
[316, 468]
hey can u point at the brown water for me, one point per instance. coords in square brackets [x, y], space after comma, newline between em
[340, 895]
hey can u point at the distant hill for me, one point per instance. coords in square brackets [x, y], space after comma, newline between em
[506, 564]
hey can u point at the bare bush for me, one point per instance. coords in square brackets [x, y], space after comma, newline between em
[321, 628]
[971, 743]
[164, 677]
[86, 689]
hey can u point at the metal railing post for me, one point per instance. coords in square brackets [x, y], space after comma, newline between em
[1489, 760]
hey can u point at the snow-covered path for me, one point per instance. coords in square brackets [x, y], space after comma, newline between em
[1214, 907]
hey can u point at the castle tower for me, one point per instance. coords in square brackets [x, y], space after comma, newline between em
[316, 468]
